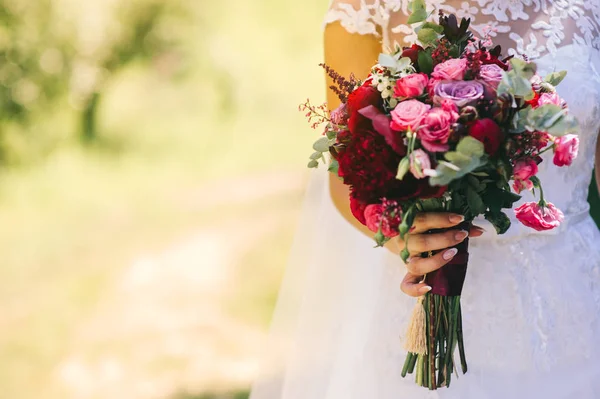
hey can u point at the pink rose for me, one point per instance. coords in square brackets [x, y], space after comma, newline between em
[566, 149]
[420, 164]
[550, 98]
[374, 216]
[408, 114]
[449, 106]
[411, 86]
[524, 170]
[491, 74]
[431, 86]
[453, 69]
[539, 218]
[435, 130]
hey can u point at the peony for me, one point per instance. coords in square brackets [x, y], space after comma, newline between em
[435, 130]
[453, 69]
[408, 115]
[566, 149]
[357, 100]
[420, 164]
[549, 98]
[489, 133]
[539, 217]
[491, 74]
[358, 209]
[374, 220]
[462, 93]
[449, 106]
[411, 85]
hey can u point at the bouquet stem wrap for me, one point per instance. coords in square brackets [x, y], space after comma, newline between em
[437, 323]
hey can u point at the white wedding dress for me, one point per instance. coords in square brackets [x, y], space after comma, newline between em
[531, 301]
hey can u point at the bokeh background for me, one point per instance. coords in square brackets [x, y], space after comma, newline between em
[152, 164]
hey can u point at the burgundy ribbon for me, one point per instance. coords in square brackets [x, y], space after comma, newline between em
[449, 280]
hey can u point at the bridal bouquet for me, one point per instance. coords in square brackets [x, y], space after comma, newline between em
[444, 125]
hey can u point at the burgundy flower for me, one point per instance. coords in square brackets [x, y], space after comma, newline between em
[489, 133]
[357, 100]
[412, 52]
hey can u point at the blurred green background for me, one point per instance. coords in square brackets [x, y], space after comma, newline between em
[145, 216]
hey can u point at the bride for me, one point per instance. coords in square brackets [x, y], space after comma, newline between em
[531, 300]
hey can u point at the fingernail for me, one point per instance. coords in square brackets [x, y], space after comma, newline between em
[480, 229]
[412, 229]
[449, 254]
[461, 235]
[408, 260]
[425, 290]
[456, 218]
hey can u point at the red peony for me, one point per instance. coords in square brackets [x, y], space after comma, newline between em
[412, 52]
[357, 100]
[489, 133]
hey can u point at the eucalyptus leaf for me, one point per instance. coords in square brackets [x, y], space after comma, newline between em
[331, 134]
[321, 145]
[313, 164]
[469, 155]
[427, 36]
[470, 146]
[418, 11]
[553, 119]
[556, 77]
[334, 166]
[316, 155]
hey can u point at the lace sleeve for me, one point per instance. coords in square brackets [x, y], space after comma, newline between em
[365, 17]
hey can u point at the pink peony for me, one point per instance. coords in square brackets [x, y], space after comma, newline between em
[453, 69]
[491, 74]
[566, 149]
[539, 217]
[408, 114]
[550, 98]
[449, 106]
[435, 130]
[411, 86]
[420, 164]
[374, 216]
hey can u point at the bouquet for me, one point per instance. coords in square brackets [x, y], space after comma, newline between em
[444, 125]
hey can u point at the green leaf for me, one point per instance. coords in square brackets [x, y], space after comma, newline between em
[552, 119]
[427, 36]
[321, 145]
[425, 62]
[471, 147]
[316, 155]
[313, 164]
[475, 202]
[499, 220]
[519, 122]
[431, 25]
[556, 77]
[418, 11]
[403, 168]
[331, 134]
[334, 166]
[432, 204]
[497, 198]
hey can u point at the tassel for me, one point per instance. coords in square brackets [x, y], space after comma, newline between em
[416, 339]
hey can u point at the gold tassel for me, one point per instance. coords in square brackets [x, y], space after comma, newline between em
[416, 339]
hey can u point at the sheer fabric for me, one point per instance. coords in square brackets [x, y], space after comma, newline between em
[531, 300]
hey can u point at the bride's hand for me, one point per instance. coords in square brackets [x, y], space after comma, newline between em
[417, 243]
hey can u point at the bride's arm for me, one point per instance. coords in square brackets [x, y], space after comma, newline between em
[348, 53]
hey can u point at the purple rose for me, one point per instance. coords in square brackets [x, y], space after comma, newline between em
[461, 93]
[491, 74]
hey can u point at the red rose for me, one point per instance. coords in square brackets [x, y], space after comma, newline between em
[412, 52]
[358, 209]
[359, 99]
[489, 133]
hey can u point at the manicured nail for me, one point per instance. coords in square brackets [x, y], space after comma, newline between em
[456, 218]
[408, 260]
[461, 235]
[449, 254]
[412, 229]
[424, 290]
[480, 229]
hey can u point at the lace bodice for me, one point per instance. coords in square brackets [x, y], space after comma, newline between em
[531, 27]
[557, 34]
